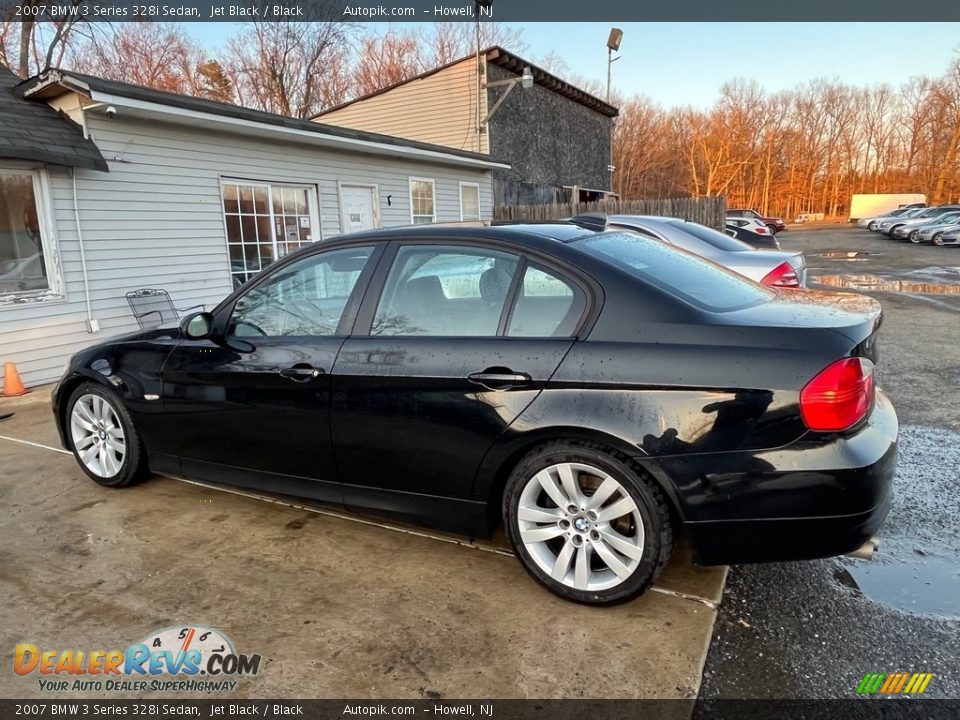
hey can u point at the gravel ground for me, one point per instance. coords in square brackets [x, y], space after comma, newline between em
[813, 629]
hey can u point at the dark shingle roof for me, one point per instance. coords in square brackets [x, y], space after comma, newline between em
[187, 102]
[35, 131]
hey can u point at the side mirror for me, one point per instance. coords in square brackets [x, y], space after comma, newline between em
[198, 326]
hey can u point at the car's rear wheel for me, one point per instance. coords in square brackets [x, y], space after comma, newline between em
[586, 524]
[102, 436]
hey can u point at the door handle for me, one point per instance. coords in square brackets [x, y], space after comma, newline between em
[301, 373]
[499, 378]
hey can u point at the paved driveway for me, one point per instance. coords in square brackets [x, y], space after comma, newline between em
[338, 605]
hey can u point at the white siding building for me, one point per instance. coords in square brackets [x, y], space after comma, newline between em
[199, 197]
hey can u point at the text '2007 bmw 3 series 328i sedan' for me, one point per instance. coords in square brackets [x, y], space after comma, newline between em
[597, 392]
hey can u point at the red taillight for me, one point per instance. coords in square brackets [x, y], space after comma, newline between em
[783, 275]
[839, 397]
[761, 231]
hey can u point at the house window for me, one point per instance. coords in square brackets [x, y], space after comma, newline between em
[265, 222]
[25, 242]
[469, 201]
[423, 209]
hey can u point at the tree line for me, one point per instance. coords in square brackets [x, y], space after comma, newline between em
[801, 150]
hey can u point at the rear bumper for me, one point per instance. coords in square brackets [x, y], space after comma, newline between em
[810, 512]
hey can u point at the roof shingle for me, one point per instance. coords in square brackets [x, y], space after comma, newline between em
[35, 131]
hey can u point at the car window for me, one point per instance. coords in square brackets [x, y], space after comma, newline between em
[546, 306]
[712, 237]
[305, 298]
[681, 274]
[446, 291]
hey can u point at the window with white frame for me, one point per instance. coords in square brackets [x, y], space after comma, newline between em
[264, 222]
[25, 239]
[469, 201]
[423, 207]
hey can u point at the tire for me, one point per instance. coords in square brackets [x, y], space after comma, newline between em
[96, 421]
[637, 542]
[914, 237]
[891, 231]
[872, 227]
[937, 239]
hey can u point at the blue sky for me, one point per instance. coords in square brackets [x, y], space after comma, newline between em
[681, 63]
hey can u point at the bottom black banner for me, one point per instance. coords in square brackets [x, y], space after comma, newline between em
[887, 709]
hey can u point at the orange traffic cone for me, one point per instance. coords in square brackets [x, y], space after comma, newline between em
[12, 384]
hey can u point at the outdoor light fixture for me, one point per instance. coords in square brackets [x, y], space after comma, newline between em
[613, 42]
[525, 81]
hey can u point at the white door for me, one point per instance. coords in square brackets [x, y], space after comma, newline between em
[357, 208]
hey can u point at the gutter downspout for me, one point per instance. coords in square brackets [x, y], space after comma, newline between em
[92, 325]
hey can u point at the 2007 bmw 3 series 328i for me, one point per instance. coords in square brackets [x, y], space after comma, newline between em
[598, 393]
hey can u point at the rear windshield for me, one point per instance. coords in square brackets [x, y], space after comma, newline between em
[712, 237]
[681, 274]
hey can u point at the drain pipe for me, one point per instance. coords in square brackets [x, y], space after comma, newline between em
[92, 325]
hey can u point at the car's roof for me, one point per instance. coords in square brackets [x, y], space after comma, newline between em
[561, 231]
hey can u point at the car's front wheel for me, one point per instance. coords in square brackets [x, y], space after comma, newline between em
[914, 237]
[872, 226]
[937, 239]
[102, 436]
[586, 524]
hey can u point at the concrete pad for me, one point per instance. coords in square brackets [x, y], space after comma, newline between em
[337, 608]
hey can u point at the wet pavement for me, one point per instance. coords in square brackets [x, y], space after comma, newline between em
[813, 629]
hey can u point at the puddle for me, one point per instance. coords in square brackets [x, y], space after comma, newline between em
[851, 255]
[886, 284]
[917, 568]
[906, 576]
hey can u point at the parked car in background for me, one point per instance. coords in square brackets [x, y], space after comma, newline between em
[595, 393]
[774, 223]
[924, 233]
[871, 222]
[889, 226]
[947, 237]
[753, 232]
[768, 267]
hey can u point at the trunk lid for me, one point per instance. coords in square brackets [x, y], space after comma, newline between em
[856, 317]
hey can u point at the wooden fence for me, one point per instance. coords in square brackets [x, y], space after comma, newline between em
[706, 210]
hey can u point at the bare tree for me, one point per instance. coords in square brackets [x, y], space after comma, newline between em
[291, 68]
[28, 46]
[385, 60]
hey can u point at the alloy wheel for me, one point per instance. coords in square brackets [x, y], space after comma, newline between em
[97, 435]
[581, 526]
[938, 239]
[915, 237]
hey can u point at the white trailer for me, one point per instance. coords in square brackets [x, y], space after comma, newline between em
[872, 204]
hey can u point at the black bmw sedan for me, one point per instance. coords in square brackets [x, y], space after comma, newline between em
[597, 392]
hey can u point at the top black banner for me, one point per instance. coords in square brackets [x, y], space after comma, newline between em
[473, 10]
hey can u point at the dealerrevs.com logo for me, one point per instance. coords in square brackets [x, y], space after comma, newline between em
[181, 658]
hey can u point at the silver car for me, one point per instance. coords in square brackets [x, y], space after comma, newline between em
[769, 267]
[948, 237]
[871, 222]
[925, 233]
[889, 227]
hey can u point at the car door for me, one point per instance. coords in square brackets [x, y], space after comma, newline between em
[251, 405]
[452, 343]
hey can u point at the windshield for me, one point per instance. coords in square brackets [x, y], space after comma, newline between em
[679, 273]
[712, 237]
